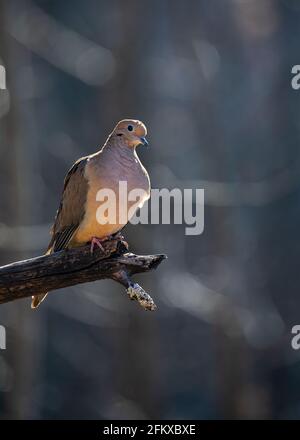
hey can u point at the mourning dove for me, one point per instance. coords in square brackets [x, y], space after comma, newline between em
[76, 220]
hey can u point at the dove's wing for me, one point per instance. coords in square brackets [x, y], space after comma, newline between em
[69, 215]
[72, 207]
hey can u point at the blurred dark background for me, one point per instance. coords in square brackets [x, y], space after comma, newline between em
[212, 82]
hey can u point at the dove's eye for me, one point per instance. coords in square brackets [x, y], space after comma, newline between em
[130, 128]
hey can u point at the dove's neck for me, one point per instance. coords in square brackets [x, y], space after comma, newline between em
[120, 151]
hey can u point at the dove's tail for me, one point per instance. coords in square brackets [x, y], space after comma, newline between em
[37, 299]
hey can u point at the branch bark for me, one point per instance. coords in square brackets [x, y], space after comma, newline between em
[74, 266]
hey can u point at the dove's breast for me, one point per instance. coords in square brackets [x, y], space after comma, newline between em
[107, 208]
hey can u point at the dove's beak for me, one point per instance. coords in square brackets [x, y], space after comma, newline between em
[144, 142]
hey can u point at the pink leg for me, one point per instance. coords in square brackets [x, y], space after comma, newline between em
[96, 241]
[99, 241]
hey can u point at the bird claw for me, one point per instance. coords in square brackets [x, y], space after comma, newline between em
[96, 241]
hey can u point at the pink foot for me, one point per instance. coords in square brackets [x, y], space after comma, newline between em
[96, 241]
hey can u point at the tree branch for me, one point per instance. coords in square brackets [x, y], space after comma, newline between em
[74, 266]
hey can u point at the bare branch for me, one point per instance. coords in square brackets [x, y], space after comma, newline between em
[74, 266]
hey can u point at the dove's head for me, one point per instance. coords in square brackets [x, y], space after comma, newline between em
[131, 132]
